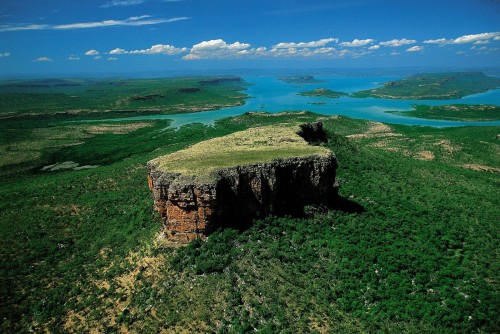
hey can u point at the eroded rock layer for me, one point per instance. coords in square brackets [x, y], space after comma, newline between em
[235, 196]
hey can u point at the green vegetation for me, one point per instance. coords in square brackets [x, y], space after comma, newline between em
[260, 144]
[299, 79]
[455, 112]
[162, 95]
[434, 86]
[323, 92]
[80, 252]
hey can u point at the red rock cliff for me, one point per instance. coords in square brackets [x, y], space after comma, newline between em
[191, 210]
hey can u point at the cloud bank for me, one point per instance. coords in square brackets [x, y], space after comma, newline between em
[324, 48]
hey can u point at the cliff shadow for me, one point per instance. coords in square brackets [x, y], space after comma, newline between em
[241, 207]
[339, 203]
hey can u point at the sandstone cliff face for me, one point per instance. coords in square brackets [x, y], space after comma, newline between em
[235, 196]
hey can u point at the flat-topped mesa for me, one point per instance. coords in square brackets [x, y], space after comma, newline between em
[231, 180]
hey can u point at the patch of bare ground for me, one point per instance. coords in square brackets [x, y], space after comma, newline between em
[75, 320]
[192, 328]
[374, 135]
[283, 113]
[386, 145]
[447, 146]
[329, 118]
[375, 130]
[481, 168]
[320, 325]
[376, 127]
[117, 129]
[143, 266]
[424, 155]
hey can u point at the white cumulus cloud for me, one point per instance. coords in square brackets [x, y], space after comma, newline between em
[73, 57]
[475, 38]
[117, 51]
[374, 47]
[42, 59]
[483, 38]
[398, 42]
[112, 58]
[219, 49]
[415, 48]
[302, 52]
[155, 49]
[437, 41]
[357, 42]
[216, 49]
[91, 53]
[312, 44]
[317, 48]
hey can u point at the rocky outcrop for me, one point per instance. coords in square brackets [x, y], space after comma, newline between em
[235, 196]
[313, 133]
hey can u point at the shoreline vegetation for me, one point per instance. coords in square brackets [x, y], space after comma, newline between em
[122, 96]
[454, 112]
[100, 99]
[433, 86]
[428, 86]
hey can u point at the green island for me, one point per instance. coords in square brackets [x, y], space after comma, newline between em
[323, 92]
[299, 79]
[434, 86]
[140, 96]
[455, 112]
[416, 253]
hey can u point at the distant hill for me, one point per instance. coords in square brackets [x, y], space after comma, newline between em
[299, 79]
[434, 86]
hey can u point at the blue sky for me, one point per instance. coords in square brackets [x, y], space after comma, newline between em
[123, 36]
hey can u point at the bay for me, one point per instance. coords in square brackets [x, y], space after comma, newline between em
[269, 94]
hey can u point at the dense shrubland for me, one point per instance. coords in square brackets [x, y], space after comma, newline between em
[80, 250]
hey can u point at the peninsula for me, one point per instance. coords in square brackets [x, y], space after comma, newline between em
[434, 86]
[455, 112]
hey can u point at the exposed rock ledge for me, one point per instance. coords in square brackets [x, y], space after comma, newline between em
[191, 207]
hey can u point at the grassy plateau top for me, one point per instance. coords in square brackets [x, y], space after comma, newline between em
[255, 145]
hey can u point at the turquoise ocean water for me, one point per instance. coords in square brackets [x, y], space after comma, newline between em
[269, 94]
